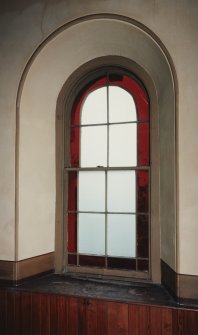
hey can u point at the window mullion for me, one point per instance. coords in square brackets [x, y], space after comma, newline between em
[136, 220]
[106, 218]
[106, 176]
[108, 125]
[77, 219]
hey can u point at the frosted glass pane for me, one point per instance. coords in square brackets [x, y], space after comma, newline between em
[93, 148]
[123, 145]
[91, 234]
[121, 235]
[121, 105]
[94, 109]
[91, 191]
[121, 194]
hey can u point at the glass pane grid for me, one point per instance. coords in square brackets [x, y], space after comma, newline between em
[105, 260]
[81, 254]
[137, 262]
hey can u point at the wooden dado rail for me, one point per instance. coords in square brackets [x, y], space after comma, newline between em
[29, 313]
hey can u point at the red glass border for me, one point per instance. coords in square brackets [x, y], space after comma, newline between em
[95, 261]
[72, 259]
[143, 265]
[121, 263]
[76, 110]
[75, 146]
[143, 191]
[143, 144]
[143, 236]
[72, 194]
[139, 94]
[72, 232]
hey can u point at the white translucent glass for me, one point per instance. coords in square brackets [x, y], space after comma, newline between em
[91, 191]
[121, 235]
[91, 233]
[121, 194]
[123, 145]
[93, 147]
[94, 109]
[121, 105]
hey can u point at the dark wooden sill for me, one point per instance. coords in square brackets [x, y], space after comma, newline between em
[133, 292]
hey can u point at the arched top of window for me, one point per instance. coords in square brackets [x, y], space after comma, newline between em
[122, 90]
[113, 111]
[108, 104]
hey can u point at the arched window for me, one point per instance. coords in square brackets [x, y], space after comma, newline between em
[108, 177]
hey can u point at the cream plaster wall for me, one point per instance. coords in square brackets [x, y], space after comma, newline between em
[58, 59]
[23, 26]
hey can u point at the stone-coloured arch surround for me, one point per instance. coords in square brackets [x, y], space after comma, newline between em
[68, 50]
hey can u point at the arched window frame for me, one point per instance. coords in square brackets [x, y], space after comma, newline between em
[74, 83]
[137, 90]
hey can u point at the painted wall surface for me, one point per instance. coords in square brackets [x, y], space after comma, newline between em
[50, 70]
[23, 26]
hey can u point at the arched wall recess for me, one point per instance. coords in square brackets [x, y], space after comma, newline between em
[46, 82]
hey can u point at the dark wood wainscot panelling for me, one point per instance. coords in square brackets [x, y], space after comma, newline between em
[27, 313]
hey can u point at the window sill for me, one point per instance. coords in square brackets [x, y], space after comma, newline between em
[126, 292]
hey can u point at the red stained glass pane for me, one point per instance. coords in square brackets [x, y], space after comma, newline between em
[142, 236]
[143, 144]
[72, 232]
[76, 111]
[136, 90]
[97, 261]
[72, 191]
[72, 259]
[74, 146]
[143, 265]
[75, 119]
[143, 191]
[121, 263]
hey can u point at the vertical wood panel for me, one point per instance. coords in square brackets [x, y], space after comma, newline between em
[73, 316]
[143, 320]
[91, 317]
[17, 313]
[174, 322]
[54, 311]
[25, 313]
[167, 321]
[117, 319]
[155, 321]
[36, 314]
[190, 322]
[3, 303]
[62, 316]
[10, 313]
[133, 320]
[82, 325]
[102, 322]
[180, 322]
[45, 314]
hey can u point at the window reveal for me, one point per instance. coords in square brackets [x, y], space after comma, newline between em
[108, 176]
